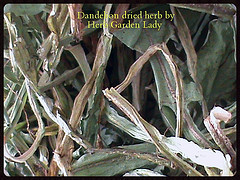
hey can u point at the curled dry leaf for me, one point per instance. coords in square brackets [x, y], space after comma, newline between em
[150, 131]
[218, 114]
[76, 22]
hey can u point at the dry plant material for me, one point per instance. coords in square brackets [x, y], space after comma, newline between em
[62, 155]
[39, 135]
[137, 66]
[217, 115]
[76, 22]
[171, 145]
[57, 19]
[192, 128]
[50, 79]
[179, 89]
[82, 98]
[136, 91]
[121, 8]
[222, 10]
[151, 132]
[186, 40]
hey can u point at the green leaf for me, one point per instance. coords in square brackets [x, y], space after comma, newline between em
[17, 169]
[143, 147]
[24, 9]
[193, 22]
[191, 93]
[16, 111]
[162, 73]
[11, 76]
[139, 38]
[124, 124]
[90, 124]
[221, 10]
[105, 164]
[216, 64]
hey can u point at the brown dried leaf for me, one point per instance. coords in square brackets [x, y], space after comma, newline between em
[137, 66]
[150, 131]
[76, 23]
[121, 8]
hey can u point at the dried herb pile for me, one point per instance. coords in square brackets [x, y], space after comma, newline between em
[108, 101]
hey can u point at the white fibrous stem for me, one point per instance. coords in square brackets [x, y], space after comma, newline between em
[217, 115]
